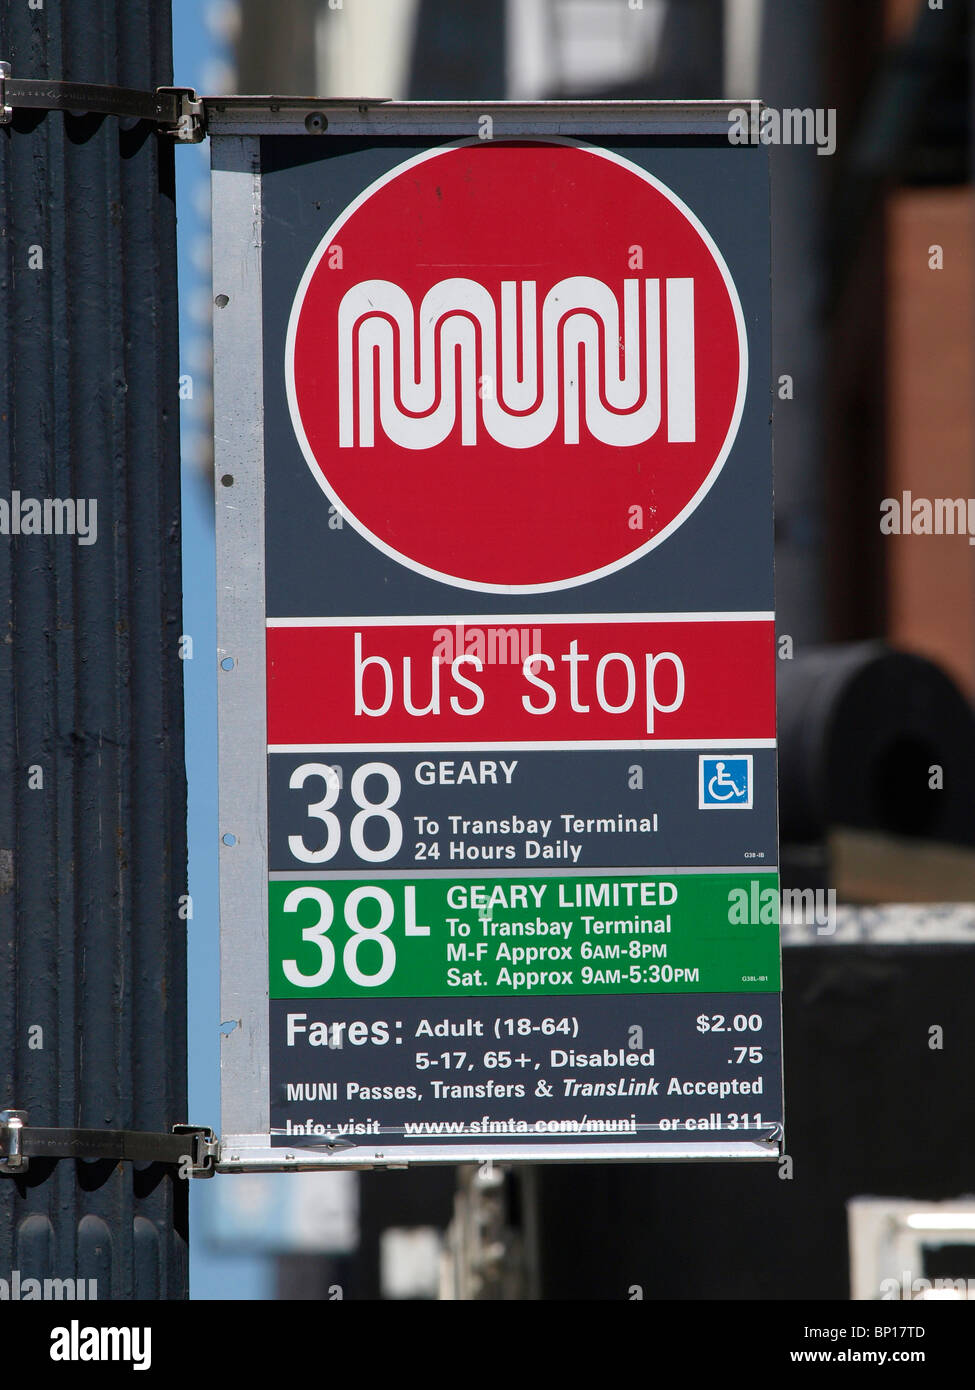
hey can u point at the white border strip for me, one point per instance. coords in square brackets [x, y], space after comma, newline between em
[604, 745]
[252, 1153]
[238, 426]
[522, 619]
[754, 866]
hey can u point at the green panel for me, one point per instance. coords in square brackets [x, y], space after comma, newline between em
[682, 933]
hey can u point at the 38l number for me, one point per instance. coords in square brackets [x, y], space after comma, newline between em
[317, 935]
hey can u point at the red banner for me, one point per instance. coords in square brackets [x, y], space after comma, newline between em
[527, 681]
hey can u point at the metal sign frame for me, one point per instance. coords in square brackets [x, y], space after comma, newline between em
[236, 126]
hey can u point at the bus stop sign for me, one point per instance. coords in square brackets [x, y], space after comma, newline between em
[497, 687]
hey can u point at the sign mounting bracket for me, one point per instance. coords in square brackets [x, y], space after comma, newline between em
[20, 1142]
[178, 111]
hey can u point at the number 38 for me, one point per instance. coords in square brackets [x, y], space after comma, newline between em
[369, 810]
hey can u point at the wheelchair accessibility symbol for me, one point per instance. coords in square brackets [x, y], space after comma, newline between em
[725, 782]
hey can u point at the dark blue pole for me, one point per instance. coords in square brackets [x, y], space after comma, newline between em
[92, 782]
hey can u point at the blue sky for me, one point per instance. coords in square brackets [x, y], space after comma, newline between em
[212, 1275]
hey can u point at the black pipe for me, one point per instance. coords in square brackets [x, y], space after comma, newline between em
[874, 739]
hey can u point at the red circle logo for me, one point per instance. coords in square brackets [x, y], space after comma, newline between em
[516, 366]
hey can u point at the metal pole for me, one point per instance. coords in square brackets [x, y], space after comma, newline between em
[92, 791]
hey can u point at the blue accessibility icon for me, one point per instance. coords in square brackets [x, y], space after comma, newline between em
[725, 782]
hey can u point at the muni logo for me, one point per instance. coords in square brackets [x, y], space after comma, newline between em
[516, 365]
[518, 386]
